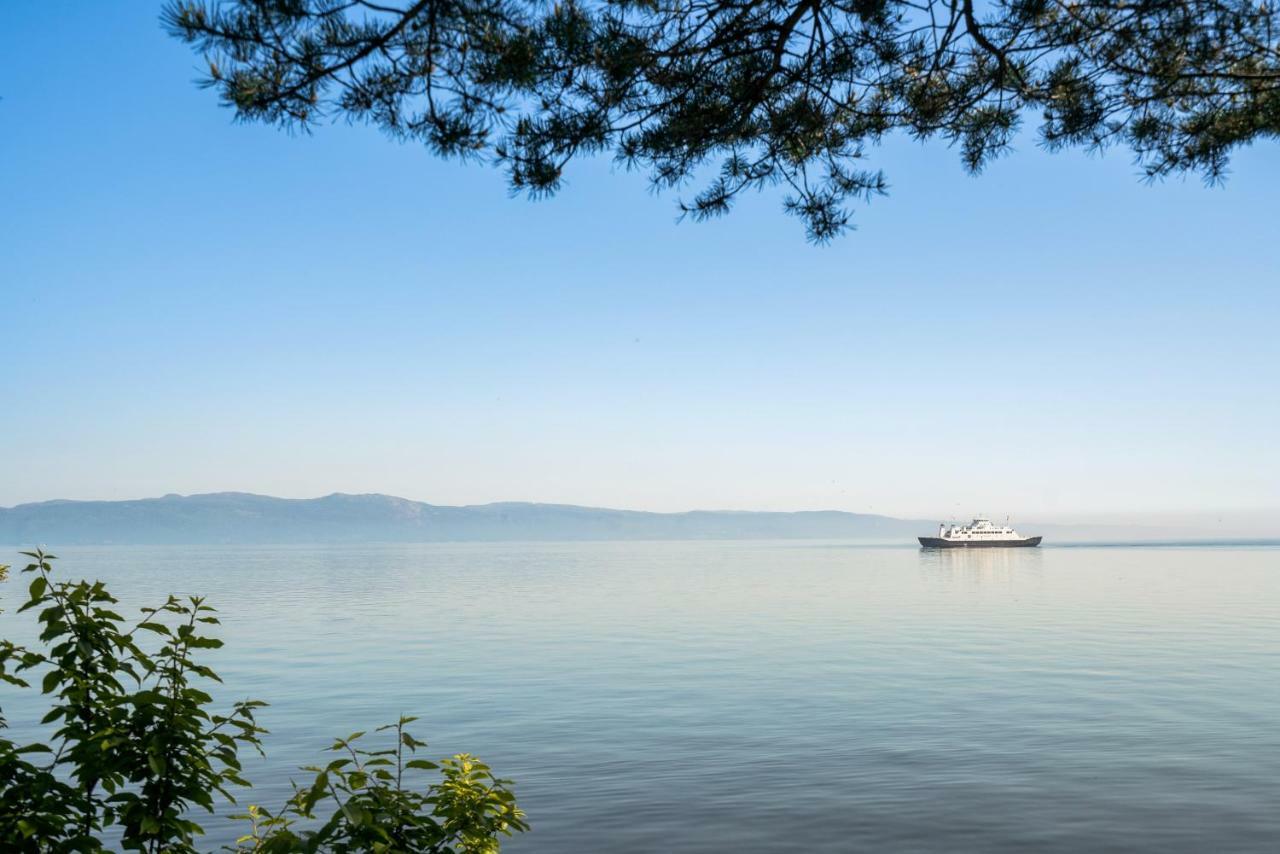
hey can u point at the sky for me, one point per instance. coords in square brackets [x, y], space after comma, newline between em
[194, 305]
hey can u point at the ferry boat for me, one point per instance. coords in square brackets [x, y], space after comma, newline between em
[978, 534]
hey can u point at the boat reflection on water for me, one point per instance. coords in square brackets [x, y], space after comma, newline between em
[982, 566]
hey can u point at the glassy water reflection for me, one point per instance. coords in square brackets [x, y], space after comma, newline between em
[755, 697]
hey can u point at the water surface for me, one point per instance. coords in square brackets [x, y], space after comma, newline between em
[770, 696]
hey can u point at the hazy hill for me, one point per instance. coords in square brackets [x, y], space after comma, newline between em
[233, 517]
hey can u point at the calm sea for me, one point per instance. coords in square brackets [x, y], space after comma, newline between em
[764, 697]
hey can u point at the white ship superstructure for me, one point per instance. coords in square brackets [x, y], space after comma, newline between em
[978, 533]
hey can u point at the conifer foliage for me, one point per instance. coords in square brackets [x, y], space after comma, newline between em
[742, 94]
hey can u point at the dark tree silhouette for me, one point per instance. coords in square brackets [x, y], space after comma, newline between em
[741, 94]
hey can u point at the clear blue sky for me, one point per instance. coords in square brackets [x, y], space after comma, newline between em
[192, 305]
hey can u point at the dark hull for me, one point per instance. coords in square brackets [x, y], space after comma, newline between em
[939, 543]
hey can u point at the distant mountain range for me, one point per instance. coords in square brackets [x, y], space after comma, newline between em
[239, 517]
[236, 517]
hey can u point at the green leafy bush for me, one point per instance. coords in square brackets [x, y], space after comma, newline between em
[134, 748]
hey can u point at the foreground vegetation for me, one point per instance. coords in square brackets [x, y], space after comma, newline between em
[133, 749]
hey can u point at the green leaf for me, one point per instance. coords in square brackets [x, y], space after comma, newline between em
[38, 585]
[317, 791]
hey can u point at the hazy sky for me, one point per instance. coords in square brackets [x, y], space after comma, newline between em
[196, 306]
